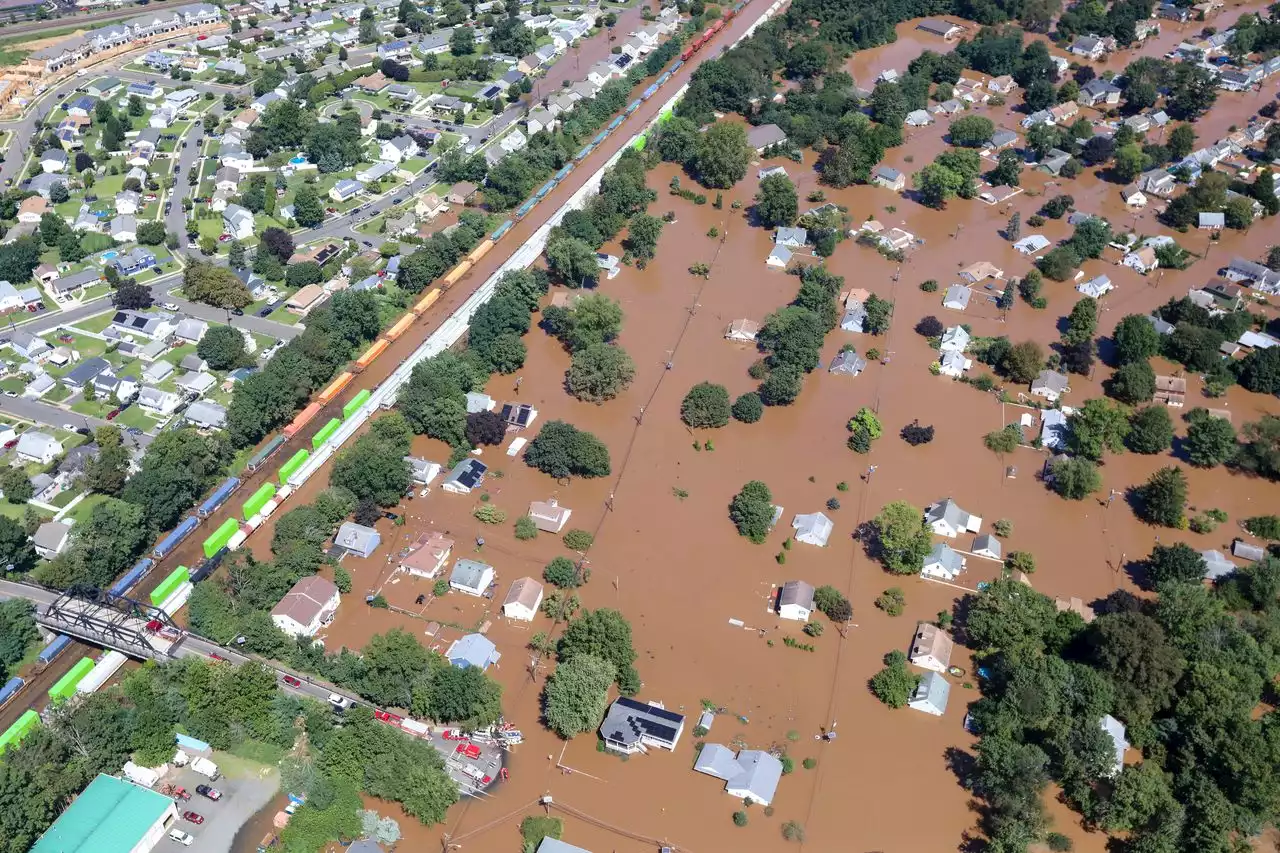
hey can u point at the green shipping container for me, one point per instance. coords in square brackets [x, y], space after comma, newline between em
[295, 462]
[221, 537]
[169, 585]
[20, 729]
[325, 433]
[258, 500]
[356, 402]
[65, 688]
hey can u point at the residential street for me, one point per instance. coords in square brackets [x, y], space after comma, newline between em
[52, 416]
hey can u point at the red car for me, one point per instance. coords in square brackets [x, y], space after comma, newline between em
[193, 817]
[291, 681]
[111, 415]
[208, 792]
[216, 656]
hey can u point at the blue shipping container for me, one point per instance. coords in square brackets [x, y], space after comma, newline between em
[523, 210]
[604, 134]
[502, 230]
[187, 742]
[54, 649]
[649, 93]
[582, 155]
[635, 105]
[10, 689]
[564, 173]
[175, 537]
[134, 575]
[679, 63]
[616, 123]
[666, 75]
[219, 497]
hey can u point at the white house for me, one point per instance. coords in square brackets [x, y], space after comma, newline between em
[237, 221]
[946, 518]
[548, 515]
[931, 695]
[1050, 385]
[812, 528]
[954, 339]
[306, 608]
[51, 538]
[36, 446]
[795, 601]
[54, 160]
[471, 577]
[398, 148]
[1096, 287]
[159, 401]
[943, 563]
[954, 364]
[751, 776]
[427, 555]
[1116, 732]
[523, 600]
[957, 297]
[931, 648]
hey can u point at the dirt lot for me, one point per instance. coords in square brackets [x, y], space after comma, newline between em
[679, 572]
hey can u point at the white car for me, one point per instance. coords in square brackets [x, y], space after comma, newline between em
[170, 306]
[183, 838]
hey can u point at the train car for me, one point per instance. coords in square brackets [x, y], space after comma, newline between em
[295, 462]
[336, 387]
[370, 355]
[480, 251]
[677, 65]
[208, 567]
[400, 327]
[10, 689]
[166, 545]
[13, 735]
[545, 189]
[689, 52]
[523, 210]
[56, 647]
[258, 499]
[353, 405]
[663, 78]
[716, 27]
[456, 274]
[427, 301]
[600, 137]
[218, 540]
[131, 577]
[501, 231]
[300, 422]
[651, 91]
[564, 173]
[107, 666]
[631, 107]
[615, 124]
[169, 585]
[218, 498]
[65, 687]
[583, 154]
[256, 461]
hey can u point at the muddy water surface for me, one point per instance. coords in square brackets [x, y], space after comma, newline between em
[679, 572]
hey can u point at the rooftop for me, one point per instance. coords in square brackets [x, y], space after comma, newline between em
[111, 816]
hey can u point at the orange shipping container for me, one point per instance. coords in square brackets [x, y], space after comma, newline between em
[456, 273]
[378, 348]
[427, 301]
[480, 251]
[304, 417]
[328, 395]
[402, 325]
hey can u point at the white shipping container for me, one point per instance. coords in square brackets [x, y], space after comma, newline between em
[268, 508]
[254, 522]
[204, 767]
[107, 666]
[284, 492]
[236, 540]
[415, 727]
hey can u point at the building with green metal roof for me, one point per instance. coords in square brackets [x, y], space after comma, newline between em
[111, 816]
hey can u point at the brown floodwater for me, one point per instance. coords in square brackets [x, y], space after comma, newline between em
[676, 568]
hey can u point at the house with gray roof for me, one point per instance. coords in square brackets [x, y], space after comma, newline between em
[957, 297]
[812, 528]
[473, 650]
[357, 539]
[471, 576]
[1216, 565]
[987, 546]
[1115, 730]
[946, 518]
[764, 136]
[206, 414]
[1050, 385]
[848, 363]
[751, 775]
[943, 563]
[795, 601]
[85, 372]
[792, 238]
[51, 538]
[631, 726]
[931, 694]
[39, 447]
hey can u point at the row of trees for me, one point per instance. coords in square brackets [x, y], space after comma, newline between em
[594, 653]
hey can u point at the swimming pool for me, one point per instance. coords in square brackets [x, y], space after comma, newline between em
[297, 161]
[109, 255]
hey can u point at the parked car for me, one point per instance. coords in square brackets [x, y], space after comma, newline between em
[170, 306]
[193, 817]
[290, 680]
[208, 792]
[183, 838]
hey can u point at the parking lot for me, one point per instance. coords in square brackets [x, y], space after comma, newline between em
[242, 796]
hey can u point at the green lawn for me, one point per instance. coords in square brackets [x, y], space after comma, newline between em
[97, 323]
[80, 513]
[134, 416]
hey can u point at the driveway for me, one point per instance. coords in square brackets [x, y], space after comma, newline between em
[243, 796]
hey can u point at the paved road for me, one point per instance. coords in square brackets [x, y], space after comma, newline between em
[191, 645]
[52, 416]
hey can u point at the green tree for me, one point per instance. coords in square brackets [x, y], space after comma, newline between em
[777, 203]
[107, 543]
[605, 634]
[1163, 498]
[1144, 667]
[1182, 141]
[1259, 371]
[971, 131]
[901, 538]
[1260, 452]
[748, 408]
[576, 694]
[1023, 361]
[1177, 563]
[1136, 339]
[643, 234]
[562, 450]
[373, 468]
[1130, 161]
[1082, 322]
[107, 472]
[1098, 427]
[722, 155]
[464, 694]
[705, 406]
[894, 684]
[1150, 430]
[599, 372]
[214, 285]
[308, 209]
[222, 347]
[562, 572]
[751, 511]
[782, 386]
[17, 551]
[1008, 170]
[1133, 382]
[1211, 440]
[1075, 479]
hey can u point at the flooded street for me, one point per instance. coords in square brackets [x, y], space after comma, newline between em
[670, 560]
